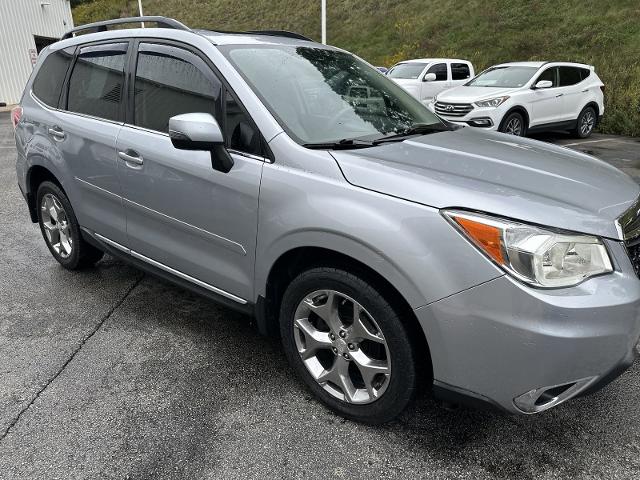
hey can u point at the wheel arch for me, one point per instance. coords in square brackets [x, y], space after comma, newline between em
[519, 109]
[36, 174]
[593, 104]
[296, 260]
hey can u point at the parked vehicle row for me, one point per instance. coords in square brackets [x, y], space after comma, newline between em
[387, 247]
[515, 98]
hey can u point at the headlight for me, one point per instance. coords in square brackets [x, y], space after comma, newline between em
[541, 257]
[493, 102]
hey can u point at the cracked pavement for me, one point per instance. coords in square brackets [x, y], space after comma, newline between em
[109, 373]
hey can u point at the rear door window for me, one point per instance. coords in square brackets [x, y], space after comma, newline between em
[171, 81]
[97, 81]
[48, 83]
[460, 71]
[570, 76]
[440, 69]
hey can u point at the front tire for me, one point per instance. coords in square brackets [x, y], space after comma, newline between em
[586, 123]
[513, 124]
[60, 229]
[348, 344]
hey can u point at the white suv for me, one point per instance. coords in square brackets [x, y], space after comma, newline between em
[526, 97]
[424, 78]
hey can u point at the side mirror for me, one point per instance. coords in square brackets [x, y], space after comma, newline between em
[200, 131]
[429, 77]
[543, 84]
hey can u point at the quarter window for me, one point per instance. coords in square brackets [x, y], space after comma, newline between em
[50, 78]
[460, 71]
[440, 69]
[171, 81]
[569, 76]
[97, 80]
[240, 132]
[584, 73]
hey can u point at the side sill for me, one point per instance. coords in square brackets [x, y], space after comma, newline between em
[246, 308]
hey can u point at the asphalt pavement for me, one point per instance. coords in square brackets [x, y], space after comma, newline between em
[110, 373]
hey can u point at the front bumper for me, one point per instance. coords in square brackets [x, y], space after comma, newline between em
[485, 118]
[517, 348]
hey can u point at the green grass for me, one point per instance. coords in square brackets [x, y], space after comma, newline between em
[604, 33]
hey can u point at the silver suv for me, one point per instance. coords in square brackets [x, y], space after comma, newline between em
[292, 181]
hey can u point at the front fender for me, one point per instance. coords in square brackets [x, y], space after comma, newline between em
[409, 244]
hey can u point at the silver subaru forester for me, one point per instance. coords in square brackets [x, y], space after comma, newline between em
[292, 181]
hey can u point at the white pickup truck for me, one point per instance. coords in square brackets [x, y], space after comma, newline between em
[425, 78]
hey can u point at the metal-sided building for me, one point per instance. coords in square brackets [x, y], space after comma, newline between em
[26, 27]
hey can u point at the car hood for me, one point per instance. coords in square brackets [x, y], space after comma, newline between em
[509, 176]
[464, 94]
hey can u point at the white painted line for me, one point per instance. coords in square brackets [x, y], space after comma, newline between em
[602, 140]
[583, 143]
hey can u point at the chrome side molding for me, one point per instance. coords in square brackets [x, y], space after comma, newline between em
[168, 269]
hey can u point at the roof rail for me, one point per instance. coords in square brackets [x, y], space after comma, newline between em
[279, 33]
[163, 22]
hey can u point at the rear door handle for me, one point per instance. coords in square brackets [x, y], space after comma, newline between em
[559, 95]
[131, 156]
[57, 133]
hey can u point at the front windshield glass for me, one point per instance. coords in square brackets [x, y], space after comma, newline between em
[407, 70]
[505, 77]
[323, 96]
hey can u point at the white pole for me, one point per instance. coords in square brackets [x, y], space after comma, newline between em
[324, 21]
[140, 10]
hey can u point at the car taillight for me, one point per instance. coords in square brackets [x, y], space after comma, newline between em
[16, 114]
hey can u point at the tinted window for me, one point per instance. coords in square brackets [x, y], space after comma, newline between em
[406, 70]
[240, 132]
[460, 71]
[550, 74]
[48, 83]
[96, 83]
[584, 73]
[440, 69]
[569, 76]
[171, 81]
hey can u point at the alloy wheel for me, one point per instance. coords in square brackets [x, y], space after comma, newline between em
[342, 347]
[587, 123]
[514, 127]
[56, 225]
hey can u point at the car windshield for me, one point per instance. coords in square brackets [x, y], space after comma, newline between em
[505, 77]
[321, 95]
[407, 70]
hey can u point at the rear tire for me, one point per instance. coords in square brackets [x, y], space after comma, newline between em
[60, 229]
[513, 124]
[361, 361]
[586, 122]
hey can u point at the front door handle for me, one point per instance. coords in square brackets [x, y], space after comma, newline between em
[131, 156]
[56, 132]
[559, 95]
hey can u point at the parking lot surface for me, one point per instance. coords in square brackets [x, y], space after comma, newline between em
[110, 373]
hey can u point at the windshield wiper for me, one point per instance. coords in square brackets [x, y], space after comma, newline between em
[344, 144]
[416, 129]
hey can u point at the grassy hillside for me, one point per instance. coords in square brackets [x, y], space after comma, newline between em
[604, 33]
